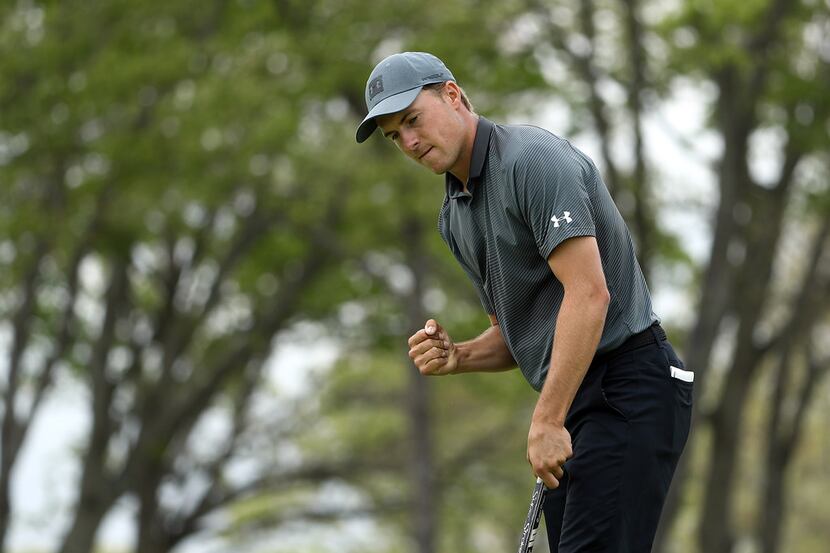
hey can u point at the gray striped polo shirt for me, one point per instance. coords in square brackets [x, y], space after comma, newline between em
[528, 191]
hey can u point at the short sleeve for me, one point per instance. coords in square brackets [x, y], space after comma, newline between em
[485, 301]
[554, 183]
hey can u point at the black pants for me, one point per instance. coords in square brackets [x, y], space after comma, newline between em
[629, 423]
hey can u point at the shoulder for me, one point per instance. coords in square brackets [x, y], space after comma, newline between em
[531, 154]
[526, 147]
[524, 143]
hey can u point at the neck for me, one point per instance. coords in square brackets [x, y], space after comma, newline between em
[461, 169]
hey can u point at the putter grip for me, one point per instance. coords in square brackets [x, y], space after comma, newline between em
[534, 514]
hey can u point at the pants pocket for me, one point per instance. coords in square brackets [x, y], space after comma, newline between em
[620, 387]
[682, 413]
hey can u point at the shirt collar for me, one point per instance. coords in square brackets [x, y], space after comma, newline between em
[481, 145]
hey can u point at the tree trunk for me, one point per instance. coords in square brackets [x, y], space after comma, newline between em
[782, 435]
[715, 532]
[783, 440]
[644, 226]
[773, 488]
[11, 428]
[5, 508]
[81, 537]
[421, 468]
[97, 497]
[752, 287]
[717, 285]
[151, 538]
[97, 491]
[774, 502]
[6, 463]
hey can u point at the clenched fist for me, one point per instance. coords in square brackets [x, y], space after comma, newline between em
[548, 447]
[432, 350]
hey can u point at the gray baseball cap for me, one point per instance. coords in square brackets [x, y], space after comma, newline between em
[395, 83]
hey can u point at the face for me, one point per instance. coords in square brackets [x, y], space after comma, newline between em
[430, 130]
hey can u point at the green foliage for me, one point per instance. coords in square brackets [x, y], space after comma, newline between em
[217, 140]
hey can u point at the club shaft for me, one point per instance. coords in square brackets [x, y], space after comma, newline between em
[534, 514]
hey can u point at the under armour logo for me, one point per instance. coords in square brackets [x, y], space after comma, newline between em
[375, 87]
[566, 217]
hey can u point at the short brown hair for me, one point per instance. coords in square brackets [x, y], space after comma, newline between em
[436, 88]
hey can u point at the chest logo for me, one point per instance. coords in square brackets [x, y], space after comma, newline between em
[566, 216]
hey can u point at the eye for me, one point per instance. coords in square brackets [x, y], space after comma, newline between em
[413, 119]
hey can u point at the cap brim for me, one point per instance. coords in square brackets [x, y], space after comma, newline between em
[393, 104]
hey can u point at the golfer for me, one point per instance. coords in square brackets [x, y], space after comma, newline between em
[530, 220]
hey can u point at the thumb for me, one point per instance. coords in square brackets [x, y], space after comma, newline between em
[432, 327]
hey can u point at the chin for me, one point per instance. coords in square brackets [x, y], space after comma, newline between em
[438, 169]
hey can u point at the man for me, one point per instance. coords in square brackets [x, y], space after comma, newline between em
[530, 220]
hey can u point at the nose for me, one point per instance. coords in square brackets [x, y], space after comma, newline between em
[409, 141]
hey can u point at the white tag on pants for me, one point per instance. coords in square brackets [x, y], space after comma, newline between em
[680, 374]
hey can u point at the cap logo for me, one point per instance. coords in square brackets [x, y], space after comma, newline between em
[375, 87]
[433, 76]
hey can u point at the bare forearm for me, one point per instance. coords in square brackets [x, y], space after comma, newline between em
[576, 263]
[578, 331]
[486, 353]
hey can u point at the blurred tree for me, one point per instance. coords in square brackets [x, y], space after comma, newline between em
[180, 184]
[173, 212]
[769, 70]
[594, 56]
[790, 395]
[163, 218]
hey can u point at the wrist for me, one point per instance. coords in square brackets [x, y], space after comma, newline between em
[548, 415]
[462, 355]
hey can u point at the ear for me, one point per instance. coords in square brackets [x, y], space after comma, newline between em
[453, 93]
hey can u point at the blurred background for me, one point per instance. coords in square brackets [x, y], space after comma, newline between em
[206, 285]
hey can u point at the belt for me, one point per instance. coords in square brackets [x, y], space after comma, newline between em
[651, 335]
